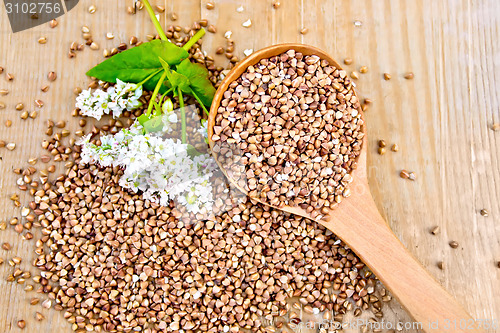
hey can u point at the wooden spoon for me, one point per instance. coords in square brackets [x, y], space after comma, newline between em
[358, 223]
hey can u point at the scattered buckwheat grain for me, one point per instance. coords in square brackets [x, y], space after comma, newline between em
[409, 76]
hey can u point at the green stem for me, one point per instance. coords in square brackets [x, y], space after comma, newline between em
[150, 76]
[155, 92]
[154, 20]
[199, 102]
[165, 94]
[183, 115]
[194, 39]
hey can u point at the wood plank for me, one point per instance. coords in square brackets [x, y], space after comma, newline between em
[441, 120]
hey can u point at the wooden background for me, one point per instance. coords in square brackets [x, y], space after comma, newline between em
[441, 120]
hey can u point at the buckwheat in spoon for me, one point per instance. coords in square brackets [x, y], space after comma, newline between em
[287, 129]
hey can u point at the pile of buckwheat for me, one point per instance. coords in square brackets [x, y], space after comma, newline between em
[289, 131]
[121, 263]
[114, 262]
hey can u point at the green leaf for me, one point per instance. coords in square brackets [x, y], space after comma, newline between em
[158, 110]
[164, 64]
[137, 63]
[192, 152]
[198, 81]
[155, 124]
[142, 119]
[175, 80]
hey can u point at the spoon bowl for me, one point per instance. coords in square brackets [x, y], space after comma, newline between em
[358, 223]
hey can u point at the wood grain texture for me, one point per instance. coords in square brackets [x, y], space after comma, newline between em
[358, 222]
[441, 120]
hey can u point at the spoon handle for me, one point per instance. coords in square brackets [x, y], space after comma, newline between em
[359, 224]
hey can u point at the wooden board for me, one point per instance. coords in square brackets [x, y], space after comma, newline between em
[441, 120]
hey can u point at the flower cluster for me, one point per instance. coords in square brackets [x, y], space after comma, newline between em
[169, 117]
[162, 168]
[113, 101]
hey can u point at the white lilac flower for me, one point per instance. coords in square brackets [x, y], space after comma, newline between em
[122, 96]
[85, 102]
[169, 118]
[100, 95]
[203, 130]
[160, 168]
